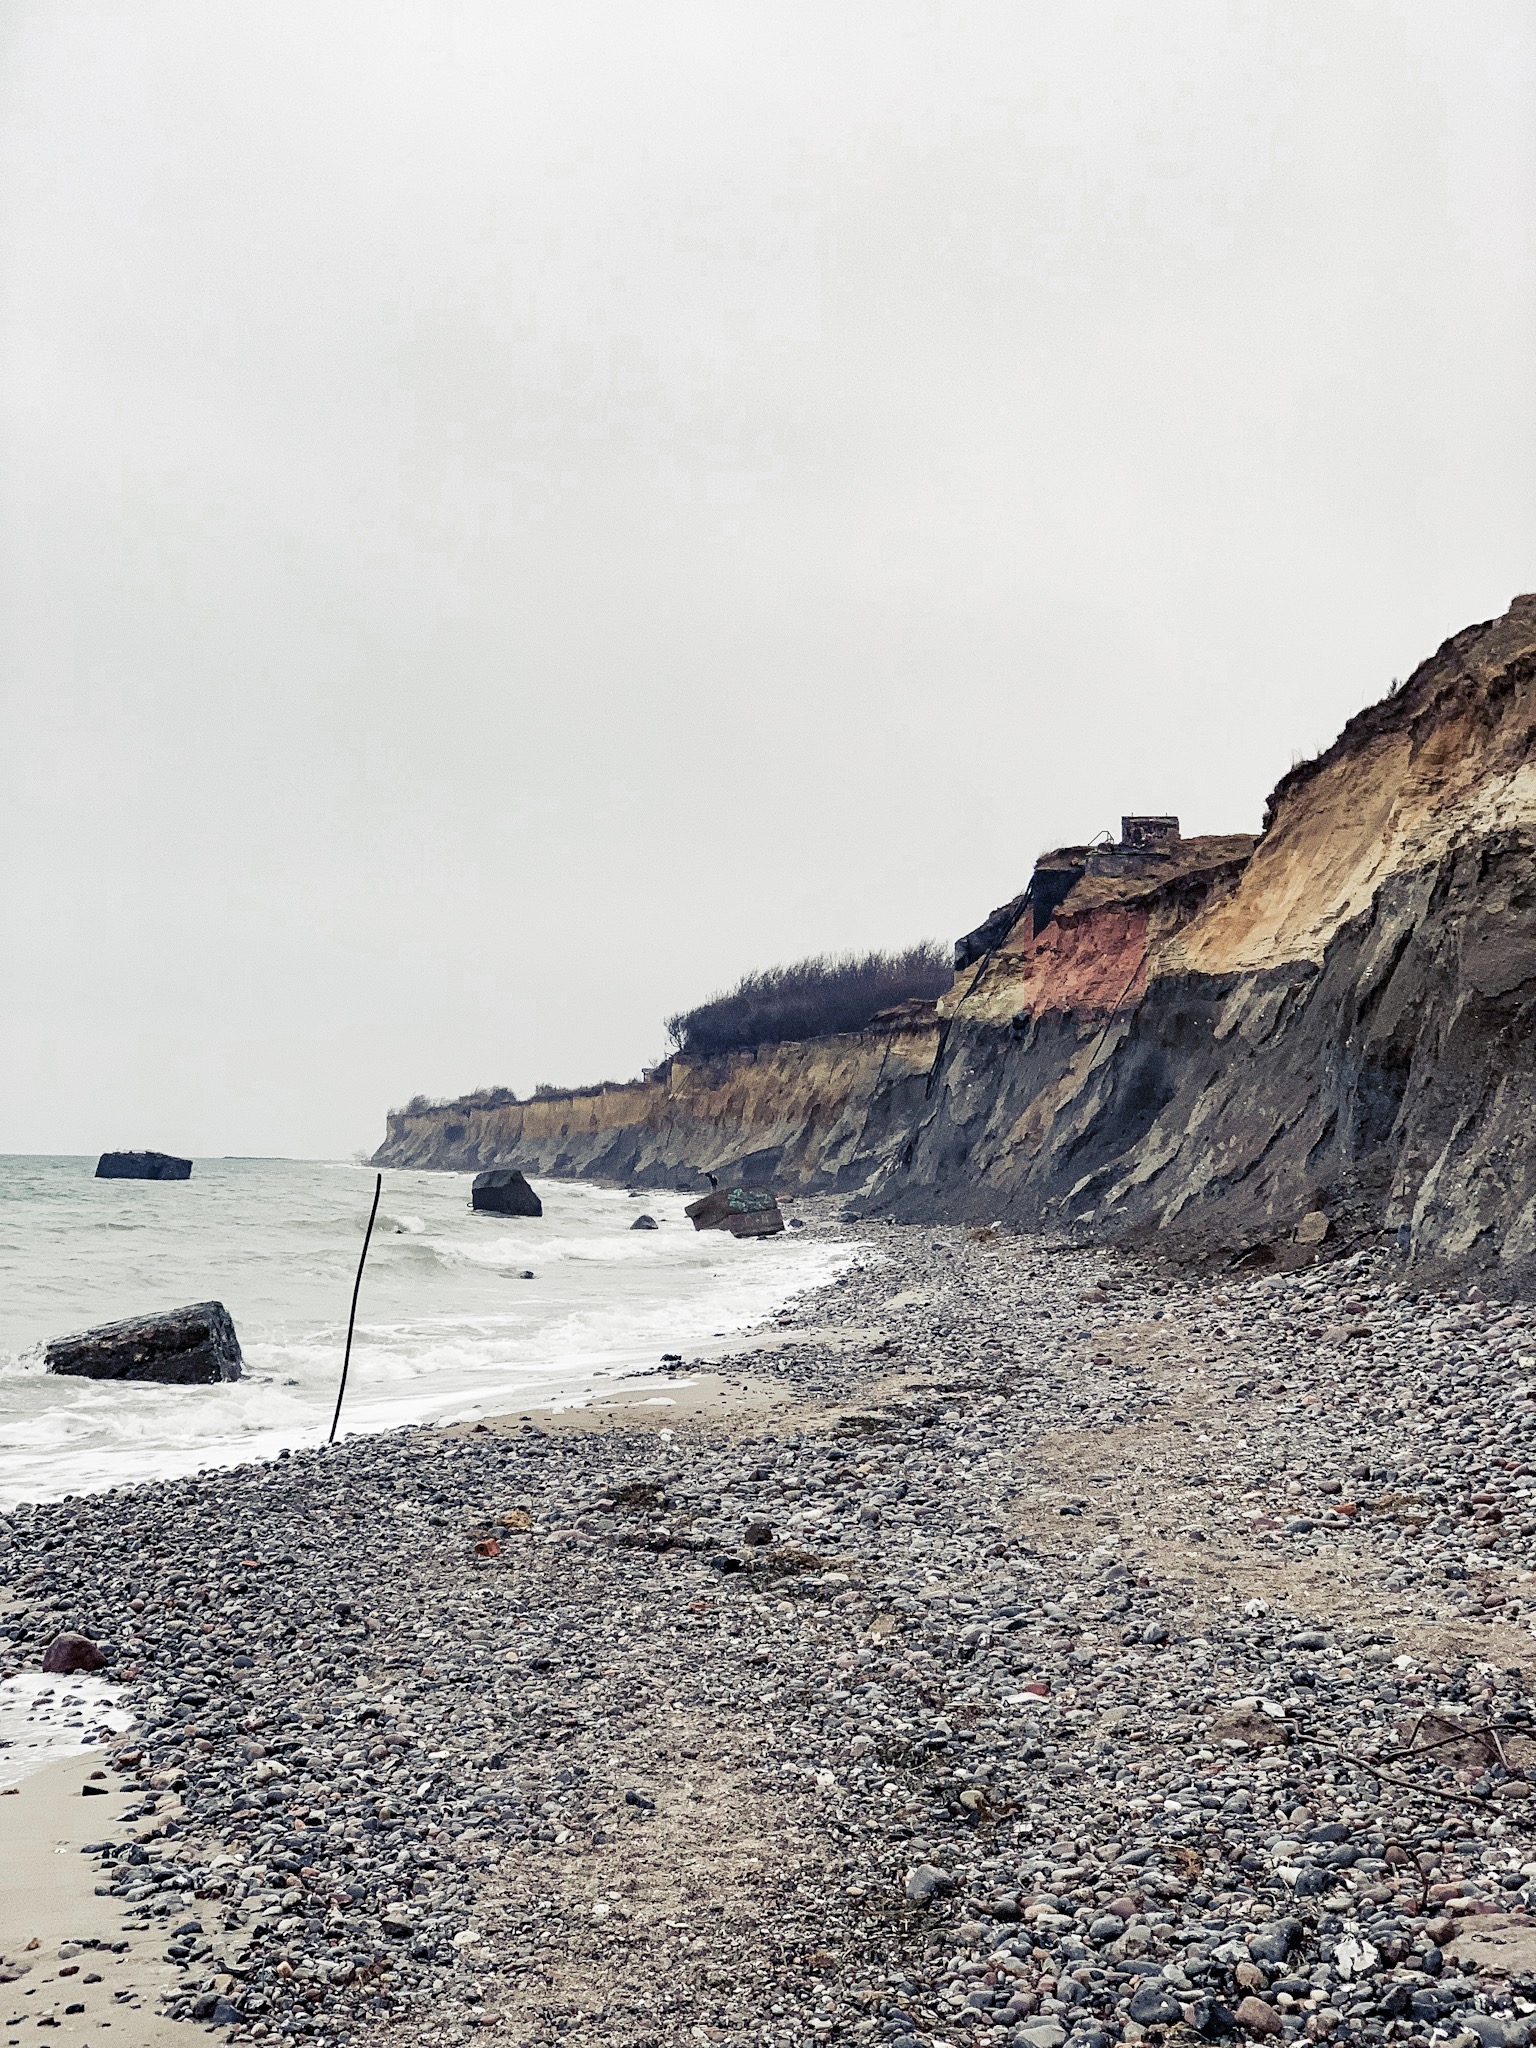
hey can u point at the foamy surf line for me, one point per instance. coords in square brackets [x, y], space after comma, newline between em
[66, 1437]
[43, 1719]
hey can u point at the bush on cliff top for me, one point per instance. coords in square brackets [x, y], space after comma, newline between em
[812, 999]
[477, 1098]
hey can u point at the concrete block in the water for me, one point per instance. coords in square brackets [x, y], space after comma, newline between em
[504, 1192]
[142, 1166]
[744, 1212]
[183, 1347]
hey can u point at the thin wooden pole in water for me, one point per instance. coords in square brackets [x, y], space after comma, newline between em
[378, 1189]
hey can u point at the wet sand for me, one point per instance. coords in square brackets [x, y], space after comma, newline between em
[48, 1902]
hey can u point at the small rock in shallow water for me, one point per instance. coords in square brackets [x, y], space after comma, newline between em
[72, 1653]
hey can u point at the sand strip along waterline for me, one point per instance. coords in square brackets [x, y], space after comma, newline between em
[44, 1718]
[68, 1964]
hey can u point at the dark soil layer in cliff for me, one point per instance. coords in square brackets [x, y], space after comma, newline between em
[1080, 1653]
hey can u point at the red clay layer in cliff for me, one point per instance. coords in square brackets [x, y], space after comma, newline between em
[1078, 940]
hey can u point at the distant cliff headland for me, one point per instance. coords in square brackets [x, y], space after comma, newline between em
[1206, 1038]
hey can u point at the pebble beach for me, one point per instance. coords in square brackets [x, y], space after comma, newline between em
[1014, 1644]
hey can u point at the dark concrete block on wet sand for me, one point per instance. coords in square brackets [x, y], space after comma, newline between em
[142, 1166]
[744, 1212]
[182, 1347]
[504, 1192]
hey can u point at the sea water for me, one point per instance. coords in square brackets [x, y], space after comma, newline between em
[447, 1328]
[44, 1719]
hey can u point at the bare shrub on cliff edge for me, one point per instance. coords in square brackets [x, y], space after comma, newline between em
[477, 1098]
[812, 999]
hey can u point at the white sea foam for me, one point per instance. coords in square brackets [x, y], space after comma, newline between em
[43, 1719]
[447, 1327]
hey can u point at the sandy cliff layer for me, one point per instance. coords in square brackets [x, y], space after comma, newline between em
[814, 1117]
[1207, 1041]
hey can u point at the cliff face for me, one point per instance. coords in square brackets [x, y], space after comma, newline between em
[813, 1117]
[1203, 1041]
[1346, 1026]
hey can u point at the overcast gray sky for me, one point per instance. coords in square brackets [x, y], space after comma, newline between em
[515, 514]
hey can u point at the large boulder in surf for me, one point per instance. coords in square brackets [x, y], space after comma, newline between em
[744, 1212]
[182, 1347]
[70, 1652]
[142, 1166]
[503, 1192]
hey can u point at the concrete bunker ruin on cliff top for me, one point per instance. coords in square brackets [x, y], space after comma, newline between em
[1148, 835]
[1144, 839]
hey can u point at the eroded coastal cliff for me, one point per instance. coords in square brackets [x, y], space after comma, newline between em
[818, 1116]
[1203, 1038]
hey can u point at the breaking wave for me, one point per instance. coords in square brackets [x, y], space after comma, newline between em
[448, 1327]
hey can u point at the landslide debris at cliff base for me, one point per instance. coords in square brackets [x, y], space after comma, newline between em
[1070, 1662]
[1345, 1230]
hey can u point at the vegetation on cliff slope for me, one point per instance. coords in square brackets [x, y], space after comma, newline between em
[812, 999]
